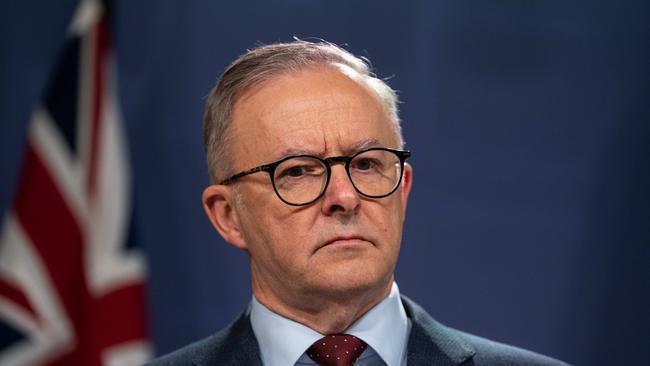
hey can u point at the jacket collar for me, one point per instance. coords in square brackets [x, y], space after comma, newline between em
[429, 343]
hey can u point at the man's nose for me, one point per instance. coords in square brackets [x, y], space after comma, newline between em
[340, 195]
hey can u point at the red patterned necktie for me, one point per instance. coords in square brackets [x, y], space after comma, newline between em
[337, 350]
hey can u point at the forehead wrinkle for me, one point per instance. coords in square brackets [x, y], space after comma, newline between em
[364, 144]
[352, 149]
[297, 151]
[298, 108]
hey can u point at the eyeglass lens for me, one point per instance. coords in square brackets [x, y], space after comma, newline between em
[300, 180]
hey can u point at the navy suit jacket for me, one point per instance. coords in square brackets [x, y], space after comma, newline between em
[430, 343]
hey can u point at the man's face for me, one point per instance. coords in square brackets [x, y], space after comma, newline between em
[344, 242]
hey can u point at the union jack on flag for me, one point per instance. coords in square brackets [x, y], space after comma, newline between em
[71, 280]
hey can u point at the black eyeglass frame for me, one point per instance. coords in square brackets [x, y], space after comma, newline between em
[270, 168]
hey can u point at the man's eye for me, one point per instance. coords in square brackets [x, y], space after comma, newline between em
[295, 171]
[299, 169]
[364, 164]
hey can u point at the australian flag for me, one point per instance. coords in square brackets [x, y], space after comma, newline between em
[71, 278]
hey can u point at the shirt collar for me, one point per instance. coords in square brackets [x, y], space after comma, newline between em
[282, 341]
[385, 328]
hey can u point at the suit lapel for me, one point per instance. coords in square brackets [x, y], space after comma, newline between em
[431, 343]
[233, 346]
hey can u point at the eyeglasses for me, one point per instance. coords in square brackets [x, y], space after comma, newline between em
[302, 179]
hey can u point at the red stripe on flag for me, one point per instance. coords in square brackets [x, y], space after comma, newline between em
[48, 222]
[115, 318]
[121, 317]
[100, 47]
[15, 295]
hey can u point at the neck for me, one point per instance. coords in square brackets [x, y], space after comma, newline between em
[327, 313]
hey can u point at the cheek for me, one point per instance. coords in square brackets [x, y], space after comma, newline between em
[387, 212]
[279, 234]
[387, 219]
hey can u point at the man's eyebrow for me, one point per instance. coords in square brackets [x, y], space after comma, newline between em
[356, 147]
[293, 152]
[364, 144]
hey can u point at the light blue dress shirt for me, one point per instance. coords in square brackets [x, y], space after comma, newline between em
[385, 328]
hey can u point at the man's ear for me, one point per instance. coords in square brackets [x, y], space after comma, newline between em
[219, 205]
[407, 182]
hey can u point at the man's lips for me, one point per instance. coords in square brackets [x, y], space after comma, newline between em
[344, 240]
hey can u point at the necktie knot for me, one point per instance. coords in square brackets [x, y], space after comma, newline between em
[337, 350]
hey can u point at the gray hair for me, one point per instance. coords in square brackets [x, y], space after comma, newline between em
[266, 62]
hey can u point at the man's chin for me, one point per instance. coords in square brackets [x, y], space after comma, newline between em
[345, 282]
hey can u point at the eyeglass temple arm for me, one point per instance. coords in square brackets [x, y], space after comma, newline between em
[243, 174]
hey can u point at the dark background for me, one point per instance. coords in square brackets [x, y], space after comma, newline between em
[529, 125]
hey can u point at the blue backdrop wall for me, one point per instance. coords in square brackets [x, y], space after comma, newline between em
[529, 221]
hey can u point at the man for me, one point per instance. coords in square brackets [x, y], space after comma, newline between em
[310, 179]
